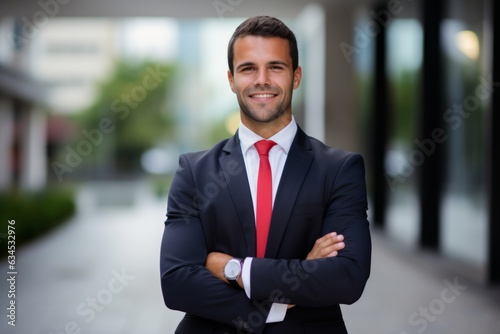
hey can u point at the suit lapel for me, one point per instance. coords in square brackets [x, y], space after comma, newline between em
[296, 167]
[233, 166]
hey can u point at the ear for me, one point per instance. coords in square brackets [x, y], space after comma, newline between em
[297, 77]
[231, 81]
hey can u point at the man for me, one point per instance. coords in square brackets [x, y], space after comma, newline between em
[267, 231]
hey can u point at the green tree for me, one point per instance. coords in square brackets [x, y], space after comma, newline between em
[132, 111]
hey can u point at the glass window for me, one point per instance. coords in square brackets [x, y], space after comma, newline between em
[404, 59]
[464, 217]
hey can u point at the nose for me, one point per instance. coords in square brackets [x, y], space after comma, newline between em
[262, 78]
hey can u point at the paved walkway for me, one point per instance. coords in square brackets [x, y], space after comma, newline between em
[98, 274]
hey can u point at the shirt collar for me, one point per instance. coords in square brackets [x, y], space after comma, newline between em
[283, 139]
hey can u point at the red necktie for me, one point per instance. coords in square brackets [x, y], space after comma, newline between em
[264, 195]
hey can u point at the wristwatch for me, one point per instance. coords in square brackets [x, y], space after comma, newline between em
[232, 271]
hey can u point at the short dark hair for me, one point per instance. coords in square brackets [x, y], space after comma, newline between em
[264, 26]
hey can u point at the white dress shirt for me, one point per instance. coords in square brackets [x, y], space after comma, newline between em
[277, 159]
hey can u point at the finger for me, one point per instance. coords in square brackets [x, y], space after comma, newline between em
[339, 246]
[325, 251]
[328, 251]
[326, 240]
[332, 254]
[332, 238]
[325, 245]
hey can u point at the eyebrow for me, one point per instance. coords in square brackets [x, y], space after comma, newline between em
[274, 62]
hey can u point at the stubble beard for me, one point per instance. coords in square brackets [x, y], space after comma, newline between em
[265, 116]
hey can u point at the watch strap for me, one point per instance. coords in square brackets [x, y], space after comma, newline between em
[234, 283]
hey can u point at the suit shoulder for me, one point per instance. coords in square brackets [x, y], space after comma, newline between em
[332, 153]
[195, 158]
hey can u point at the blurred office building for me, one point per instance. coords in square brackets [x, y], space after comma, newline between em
[61, 63]
[22, 122]
[70, 57]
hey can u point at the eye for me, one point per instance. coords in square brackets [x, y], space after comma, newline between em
[276, 67]
[248, 69]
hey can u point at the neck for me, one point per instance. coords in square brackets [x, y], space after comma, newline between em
[269, 129]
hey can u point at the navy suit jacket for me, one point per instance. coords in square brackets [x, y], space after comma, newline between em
[322, 189]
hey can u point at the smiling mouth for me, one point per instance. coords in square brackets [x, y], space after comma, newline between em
[262, 96]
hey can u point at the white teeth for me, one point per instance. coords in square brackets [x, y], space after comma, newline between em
[263, 96]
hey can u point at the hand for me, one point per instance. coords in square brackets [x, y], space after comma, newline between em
[327, 246]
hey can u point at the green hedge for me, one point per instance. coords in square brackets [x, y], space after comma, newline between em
[34, 213]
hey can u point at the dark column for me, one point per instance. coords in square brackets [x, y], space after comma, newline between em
[494, 149]
[380, 135]
[431, 171]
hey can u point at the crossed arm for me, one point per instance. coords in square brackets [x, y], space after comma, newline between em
[334, 271]
[327, 246]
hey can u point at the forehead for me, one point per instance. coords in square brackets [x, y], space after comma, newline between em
[261, 49]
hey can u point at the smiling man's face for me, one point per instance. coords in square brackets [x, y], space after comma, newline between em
[263, 81]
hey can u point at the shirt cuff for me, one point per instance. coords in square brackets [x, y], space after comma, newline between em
[245, 275]
[278, 311]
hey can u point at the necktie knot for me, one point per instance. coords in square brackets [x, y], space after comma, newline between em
[264, 146]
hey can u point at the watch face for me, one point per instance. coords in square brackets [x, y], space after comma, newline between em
[232, 269]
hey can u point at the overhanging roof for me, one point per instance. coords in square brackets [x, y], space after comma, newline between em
[17, 84]
[162, 8]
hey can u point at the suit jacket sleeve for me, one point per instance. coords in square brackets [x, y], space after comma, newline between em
[186, 284]
[329, 281]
